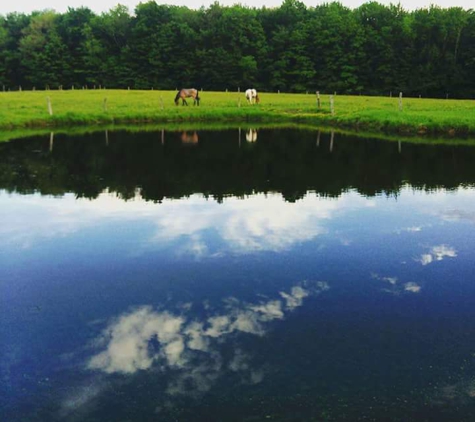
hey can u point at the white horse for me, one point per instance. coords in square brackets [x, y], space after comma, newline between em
[251, 96]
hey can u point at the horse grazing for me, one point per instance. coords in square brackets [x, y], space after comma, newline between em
[187, 93]
[252, 96]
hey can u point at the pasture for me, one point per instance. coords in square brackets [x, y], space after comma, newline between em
[30, 109]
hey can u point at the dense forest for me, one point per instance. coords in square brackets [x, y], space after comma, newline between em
[373, 49]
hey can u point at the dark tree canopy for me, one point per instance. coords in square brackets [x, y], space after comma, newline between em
[373, 49]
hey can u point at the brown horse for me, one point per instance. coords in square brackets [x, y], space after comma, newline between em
[187, 93]
[188, 138]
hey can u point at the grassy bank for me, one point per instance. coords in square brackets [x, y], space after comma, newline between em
[112, 107]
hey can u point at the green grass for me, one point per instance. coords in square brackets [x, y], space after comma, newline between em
[419, 117]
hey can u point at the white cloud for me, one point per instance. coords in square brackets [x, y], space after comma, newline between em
[295, 298]
[258, 223]
[144, 336]
[412, 287]
[127, 339]
[395, 287]
[437, 253]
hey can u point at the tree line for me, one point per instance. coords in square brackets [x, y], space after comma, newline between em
[373, 49]
[290, 162]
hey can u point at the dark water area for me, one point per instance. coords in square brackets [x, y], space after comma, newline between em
[285, 275]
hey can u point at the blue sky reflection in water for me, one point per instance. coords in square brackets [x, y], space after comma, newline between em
[345, 308]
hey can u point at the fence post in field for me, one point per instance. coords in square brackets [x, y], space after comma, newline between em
[332, 105]
[34, 88]
[72, 87]
[107, 138]
[50, 107]
[318, 100]
[19, 88]
[239, 89]
[400, 101]
[278, 91]
[161, 102]
[399, 146]
[162, 139]
[51, 139]
[332, 138]
[104, 105]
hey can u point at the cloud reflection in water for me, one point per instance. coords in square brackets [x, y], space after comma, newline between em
[143, 337]
[437, 253]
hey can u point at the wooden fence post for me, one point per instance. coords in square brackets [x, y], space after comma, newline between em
[400, 101]
[50, 107]
[318, 100]
[51, 139]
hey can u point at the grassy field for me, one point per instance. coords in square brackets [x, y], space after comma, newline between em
[420, 117]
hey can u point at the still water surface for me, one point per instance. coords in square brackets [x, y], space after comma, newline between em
[224, 276]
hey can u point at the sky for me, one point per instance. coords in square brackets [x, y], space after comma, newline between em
[99, 6]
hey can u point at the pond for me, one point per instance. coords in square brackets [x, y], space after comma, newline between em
[236, 275]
